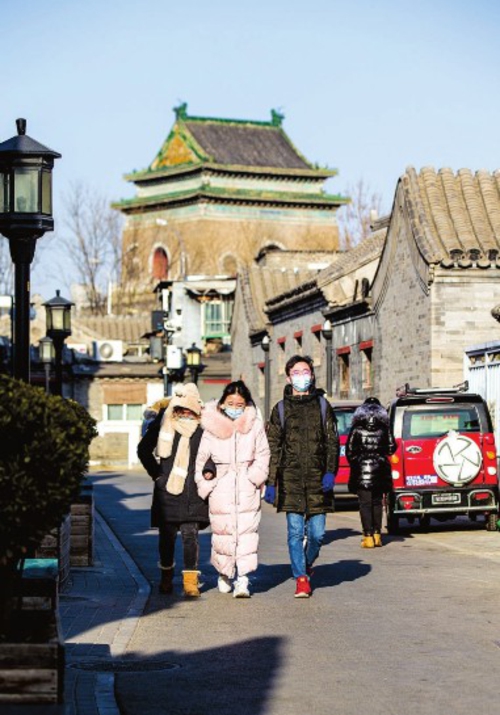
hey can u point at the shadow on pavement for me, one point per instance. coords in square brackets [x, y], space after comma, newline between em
[332, 535]
[328, 575]
[231, 679]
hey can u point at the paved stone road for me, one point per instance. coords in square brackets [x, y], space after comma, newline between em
[413, 627]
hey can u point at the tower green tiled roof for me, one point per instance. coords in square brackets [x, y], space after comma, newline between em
[230, 143]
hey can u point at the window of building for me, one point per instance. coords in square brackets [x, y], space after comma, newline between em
[125, 412]
[343, 361]
[160, 264]
[366, 350]
[216, 316]
[281, 355]
[317, 345]
[297, 336]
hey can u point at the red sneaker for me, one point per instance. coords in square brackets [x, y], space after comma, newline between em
[303, 587]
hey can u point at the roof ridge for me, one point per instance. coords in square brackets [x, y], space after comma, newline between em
[274, 123]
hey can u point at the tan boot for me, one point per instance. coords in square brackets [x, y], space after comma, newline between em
[377, 539]
[367, 542]
[166, 581]
[190, 584]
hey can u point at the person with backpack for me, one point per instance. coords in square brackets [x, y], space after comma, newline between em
[369, 445]
[304, 444]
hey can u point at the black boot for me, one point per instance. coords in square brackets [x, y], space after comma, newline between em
[167, 577]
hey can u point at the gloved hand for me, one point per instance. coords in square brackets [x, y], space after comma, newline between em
[328, 481]
[270, 494]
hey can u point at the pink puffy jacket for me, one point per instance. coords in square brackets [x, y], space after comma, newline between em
[240, 451]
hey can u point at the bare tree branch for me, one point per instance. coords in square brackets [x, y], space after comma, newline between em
[94, 242]
[355, 217]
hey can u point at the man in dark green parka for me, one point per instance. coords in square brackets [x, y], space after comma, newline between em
[304, 446]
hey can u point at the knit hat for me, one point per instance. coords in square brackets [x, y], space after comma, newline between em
[186, 396]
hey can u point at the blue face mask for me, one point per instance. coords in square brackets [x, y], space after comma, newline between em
[301, 383]
[234, 412]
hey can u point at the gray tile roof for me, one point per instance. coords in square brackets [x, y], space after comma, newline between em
[455, 218]
[259, 284]
[365, 252]
[128, 328]
[246, 144]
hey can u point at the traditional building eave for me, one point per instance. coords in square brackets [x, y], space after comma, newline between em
[148, 175]
[232, 196]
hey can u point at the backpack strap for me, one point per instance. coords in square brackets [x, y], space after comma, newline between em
[323, 403]
[281, 413]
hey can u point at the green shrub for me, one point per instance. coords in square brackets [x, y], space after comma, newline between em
[44, 443]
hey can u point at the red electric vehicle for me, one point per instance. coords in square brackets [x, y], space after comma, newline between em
[446, 461]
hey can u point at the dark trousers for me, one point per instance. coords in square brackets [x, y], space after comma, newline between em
[370, 510]
[166, 544]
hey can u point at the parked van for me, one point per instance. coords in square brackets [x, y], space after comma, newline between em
[446, 461]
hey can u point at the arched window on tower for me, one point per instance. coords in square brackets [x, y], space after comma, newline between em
[160, 264]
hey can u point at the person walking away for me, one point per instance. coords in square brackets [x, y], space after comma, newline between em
[174, 437]
[369, 445]
[234, 438]
[304, 445]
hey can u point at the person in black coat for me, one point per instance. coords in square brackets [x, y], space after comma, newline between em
[174, 437]
[369, 445]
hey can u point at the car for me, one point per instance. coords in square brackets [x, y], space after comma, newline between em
[344, 411]
[445, 464]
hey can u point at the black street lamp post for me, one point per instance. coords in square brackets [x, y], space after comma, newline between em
[193, 360]
[266, 344]
[46, 353]
[25, 215]
[58, 322]
[327, 332]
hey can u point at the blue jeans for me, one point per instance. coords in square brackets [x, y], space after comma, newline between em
[301, 527]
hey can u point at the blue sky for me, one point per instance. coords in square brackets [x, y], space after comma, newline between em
[367, 87]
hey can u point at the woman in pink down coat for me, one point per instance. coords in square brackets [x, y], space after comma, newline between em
[234, 438]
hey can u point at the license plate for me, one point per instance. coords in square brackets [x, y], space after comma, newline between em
[446, 498]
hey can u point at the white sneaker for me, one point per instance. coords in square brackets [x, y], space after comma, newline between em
[224, 584]
[241, 588]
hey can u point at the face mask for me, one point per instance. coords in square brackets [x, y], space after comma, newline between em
[234, 412]
[301, 383]
[185, 419]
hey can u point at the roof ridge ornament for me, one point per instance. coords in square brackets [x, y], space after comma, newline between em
[181, 111]
[277, 118]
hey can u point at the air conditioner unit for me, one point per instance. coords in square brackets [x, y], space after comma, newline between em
[108, 350]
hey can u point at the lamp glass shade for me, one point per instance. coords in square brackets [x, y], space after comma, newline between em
[47, 192]
[193, 356]
[4, 192]
[26, 190]
[46, 348]
[327, 330]
[60, 317]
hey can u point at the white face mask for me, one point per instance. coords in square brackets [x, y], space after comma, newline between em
[301, 383]
[234, 412]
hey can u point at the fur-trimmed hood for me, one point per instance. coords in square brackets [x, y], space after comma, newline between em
[215, 422]
[370, 408]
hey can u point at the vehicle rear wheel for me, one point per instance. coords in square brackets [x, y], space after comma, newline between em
[491, 521]
[392, 521]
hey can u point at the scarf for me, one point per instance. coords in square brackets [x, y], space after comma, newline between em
[186, 429]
